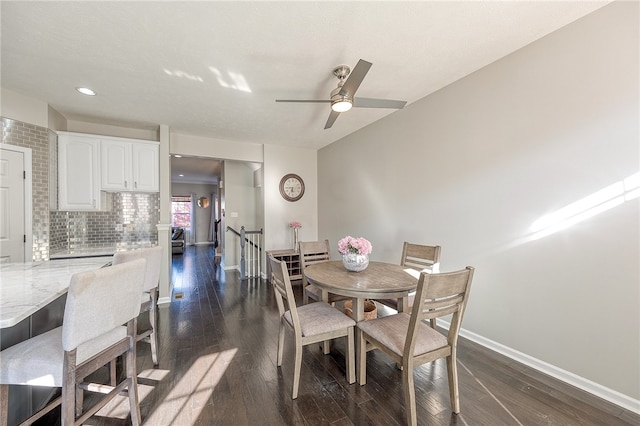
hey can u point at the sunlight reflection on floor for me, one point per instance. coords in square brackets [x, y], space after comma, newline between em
[180, 406]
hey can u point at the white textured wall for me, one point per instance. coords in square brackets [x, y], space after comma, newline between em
[279, 213]
[240, 201]
[472, 166]
[23, 108]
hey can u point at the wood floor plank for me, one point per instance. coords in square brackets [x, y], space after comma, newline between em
[217, 356]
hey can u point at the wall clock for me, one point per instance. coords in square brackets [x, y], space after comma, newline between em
[291, 187]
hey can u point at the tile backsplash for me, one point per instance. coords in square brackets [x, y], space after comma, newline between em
[56, 231]
[138, 213]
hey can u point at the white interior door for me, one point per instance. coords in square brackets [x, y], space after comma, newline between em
[13, 193]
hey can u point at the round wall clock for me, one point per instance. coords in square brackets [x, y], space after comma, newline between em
[291, 187]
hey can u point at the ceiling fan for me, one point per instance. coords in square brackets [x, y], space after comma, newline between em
[342, 98]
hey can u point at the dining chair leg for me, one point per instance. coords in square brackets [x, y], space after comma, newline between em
[153, 316]
[4, 405]
[280, 344]
[326, 347]
[351, 352]
[132, 378]
[452, 373]
[297, 368]
[113, 372]
[79, 400]
[361, 357]
[68, 409]
[409, 395]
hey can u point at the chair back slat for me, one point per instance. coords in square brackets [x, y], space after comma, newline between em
[283, 290]
[421, 257]
[91, 309]
[438, 295]
[434, 308]
[312, 252]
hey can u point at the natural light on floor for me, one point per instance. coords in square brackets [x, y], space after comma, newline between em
[193, 391]
[182, 405]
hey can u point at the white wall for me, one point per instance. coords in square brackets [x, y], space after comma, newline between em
[241, 208]
[474, 165]
[279, 213]
[23, 108]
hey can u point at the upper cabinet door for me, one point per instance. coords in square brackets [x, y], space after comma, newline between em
[115, 158]
[130, 165]
[146, 167]
[78, 173]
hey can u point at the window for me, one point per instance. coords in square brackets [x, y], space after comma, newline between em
[181, 211]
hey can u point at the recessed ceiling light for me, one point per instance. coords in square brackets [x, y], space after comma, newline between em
[181, 175]
[86, 91]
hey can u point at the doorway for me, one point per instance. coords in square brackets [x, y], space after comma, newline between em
[16, 243]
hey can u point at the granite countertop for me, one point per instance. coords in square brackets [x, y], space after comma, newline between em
[27, 287]
[84, 252]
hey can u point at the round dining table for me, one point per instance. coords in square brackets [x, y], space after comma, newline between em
[379, 281]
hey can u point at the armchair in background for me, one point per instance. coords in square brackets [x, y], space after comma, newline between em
[177, 240]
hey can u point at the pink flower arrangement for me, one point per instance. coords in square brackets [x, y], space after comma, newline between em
[295, 225]
[354, 245]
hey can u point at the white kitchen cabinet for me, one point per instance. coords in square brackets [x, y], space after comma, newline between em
[79, 173]
[128, 165]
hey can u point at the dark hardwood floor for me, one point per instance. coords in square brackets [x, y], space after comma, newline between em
[218, 367]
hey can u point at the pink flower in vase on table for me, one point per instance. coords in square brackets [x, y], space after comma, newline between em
[358, 245]
[295, 225]
[355, 253]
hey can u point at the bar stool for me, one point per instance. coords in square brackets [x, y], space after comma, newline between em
[92, 334]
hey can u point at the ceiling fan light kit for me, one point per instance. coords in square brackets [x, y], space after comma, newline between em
[342, 97]
[341, 104]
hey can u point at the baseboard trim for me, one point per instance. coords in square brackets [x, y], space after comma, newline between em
[587, 385]
[164, 301]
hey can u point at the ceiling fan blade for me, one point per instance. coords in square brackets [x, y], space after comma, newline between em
[378, 103]
[324, 101]
[332, 118]
[355, 78]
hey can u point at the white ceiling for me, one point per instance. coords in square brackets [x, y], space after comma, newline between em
[215, 68]
[196, 170]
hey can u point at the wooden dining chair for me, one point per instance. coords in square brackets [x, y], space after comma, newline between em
[312, 252]
[419, 258]
[92, 334]
[311, 323]
[410, 342]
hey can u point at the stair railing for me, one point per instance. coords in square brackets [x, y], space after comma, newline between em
[250, 252]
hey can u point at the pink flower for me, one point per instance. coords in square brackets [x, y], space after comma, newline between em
[358, 245]
[295, 225]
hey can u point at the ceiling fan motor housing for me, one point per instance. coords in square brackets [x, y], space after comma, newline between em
[340, 102]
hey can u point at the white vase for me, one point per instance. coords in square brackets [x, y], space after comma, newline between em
[355, 262]
[296, 245]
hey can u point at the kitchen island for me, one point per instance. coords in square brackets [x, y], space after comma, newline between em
[32, 300]
[27, 287]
